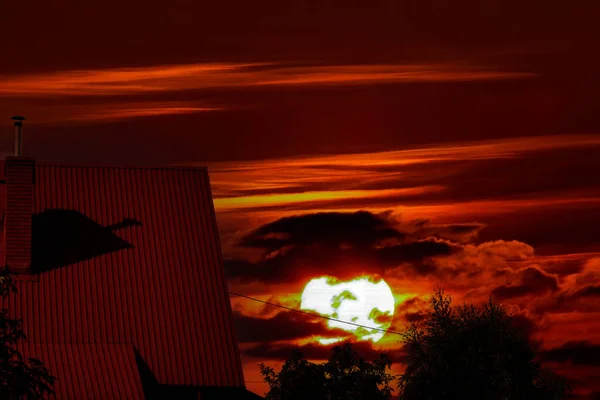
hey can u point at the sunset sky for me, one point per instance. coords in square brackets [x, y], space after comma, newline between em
[423, 142]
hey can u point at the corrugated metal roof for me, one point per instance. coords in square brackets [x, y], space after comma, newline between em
[165, 293]
[90, 371]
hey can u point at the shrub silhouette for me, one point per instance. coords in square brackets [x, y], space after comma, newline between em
[344, 376]
[19, 379]
[469, 352]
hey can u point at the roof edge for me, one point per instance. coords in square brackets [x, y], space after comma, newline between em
[121, 166]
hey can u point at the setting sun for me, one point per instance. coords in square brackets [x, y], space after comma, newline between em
[362, 301]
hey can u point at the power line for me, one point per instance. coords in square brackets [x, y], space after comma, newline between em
[312, 314]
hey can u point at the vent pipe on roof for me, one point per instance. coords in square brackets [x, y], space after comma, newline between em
[18, 137]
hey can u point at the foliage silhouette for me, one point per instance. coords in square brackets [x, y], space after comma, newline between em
[469, 352]
[345, 376]
[19, 379]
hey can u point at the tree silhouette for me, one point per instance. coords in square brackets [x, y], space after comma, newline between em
[470, 352]
[19, 379]
[344, 376]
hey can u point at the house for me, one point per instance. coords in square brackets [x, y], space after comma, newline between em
[120, 280]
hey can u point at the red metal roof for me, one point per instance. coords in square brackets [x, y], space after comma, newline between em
[164, 292]
[90, 371]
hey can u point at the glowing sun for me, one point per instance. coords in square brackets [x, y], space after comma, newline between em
[360, 301]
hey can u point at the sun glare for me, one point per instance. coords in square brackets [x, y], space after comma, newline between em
[361, 301]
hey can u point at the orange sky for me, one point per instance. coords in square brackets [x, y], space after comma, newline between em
[467, 134]
[551, 288]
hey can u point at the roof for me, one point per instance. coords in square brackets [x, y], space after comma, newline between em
[90, 371]
[131, 256]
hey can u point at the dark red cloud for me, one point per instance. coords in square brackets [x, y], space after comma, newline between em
[300, 263]
[461, 232]
[551, 230]
[410, 310]
[285, 325]
[529, 174]
[581, 299]
[575, 352]
[317, 352]
[531, 281]
[535, 172]
[417, 251]
[336, 244]
[327, 229]
[590, 291]
[361, 228]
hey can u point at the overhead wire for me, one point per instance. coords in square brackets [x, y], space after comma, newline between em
[314, 314]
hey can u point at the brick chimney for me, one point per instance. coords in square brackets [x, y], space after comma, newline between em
[19, 174]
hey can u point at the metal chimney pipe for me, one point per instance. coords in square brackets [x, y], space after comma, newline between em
[18, 137]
